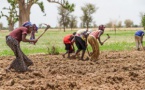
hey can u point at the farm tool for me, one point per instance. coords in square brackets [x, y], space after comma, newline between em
[106, 38]
[48, 26]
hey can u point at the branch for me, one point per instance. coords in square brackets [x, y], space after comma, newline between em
[65, 4]
[4, 15]
[54, 1]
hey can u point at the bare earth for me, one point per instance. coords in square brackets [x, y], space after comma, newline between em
[113, 71]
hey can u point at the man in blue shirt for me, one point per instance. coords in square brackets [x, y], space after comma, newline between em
[139, 39]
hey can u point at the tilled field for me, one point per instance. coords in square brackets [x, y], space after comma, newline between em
[113, 71]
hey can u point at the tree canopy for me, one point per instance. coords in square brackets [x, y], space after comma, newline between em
[88, 9]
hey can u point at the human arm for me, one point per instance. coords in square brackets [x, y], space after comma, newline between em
[142, 42]
[99, 39]
[27, 40]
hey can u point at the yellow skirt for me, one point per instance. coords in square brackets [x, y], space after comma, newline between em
[95, 47]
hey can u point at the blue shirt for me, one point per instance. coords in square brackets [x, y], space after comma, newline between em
[139, 33]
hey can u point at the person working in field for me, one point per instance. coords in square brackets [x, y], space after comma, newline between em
[35, 29]
[22, 62]
[69, 47]
[139, 39]
[80, 41]
[92, 40]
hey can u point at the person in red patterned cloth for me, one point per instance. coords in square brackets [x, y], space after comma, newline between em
[22, 62]
[69, 47]
[93, 39]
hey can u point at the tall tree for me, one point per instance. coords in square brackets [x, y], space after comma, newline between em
[1, 26]
[64, 17]
[119, 25]
[109, 24]
[73, 22]
[12, 16]
[143, 21]
[128, 23]
[94, 25]
[88, 9]
[25, 6]
[24, 9]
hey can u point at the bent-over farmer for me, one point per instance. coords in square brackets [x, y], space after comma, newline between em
[81, 42]
[139, 39]
[92, 40]
[69, 47]
[22, 62]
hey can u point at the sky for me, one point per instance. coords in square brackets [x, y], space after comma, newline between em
[108, 10]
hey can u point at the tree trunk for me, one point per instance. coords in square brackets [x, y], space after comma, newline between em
[64, 28]
[11, 27]
[24, 13]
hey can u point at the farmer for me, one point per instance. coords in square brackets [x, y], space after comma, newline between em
[22, 62]
[69, 47]
[35, 30]
[139, 39]
[81, 43]
[92, 40]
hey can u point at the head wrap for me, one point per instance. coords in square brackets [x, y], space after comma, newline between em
[27, 24]
[101, 27]
[35, 27]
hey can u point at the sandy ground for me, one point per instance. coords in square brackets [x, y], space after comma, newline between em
[113, 71]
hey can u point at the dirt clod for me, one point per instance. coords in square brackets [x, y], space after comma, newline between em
[124, 70]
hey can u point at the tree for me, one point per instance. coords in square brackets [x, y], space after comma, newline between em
[64, 17]
[109, 24]
[143, 21]
[119, 24]
[128, 23]
[12, 17]
[1, 26]
[73, 22]
[88, 9]
[25, 6]
[94, 24]
[64, 3]
[24, 9]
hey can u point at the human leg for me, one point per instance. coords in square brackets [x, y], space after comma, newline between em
[18, 64]
[137, 42]
[95, 47]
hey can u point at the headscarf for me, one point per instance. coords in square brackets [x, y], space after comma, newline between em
[101, 27]
[26, 24]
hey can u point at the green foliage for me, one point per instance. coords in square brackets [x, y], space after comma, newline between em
[53, 50]
[69, 6]
[88, 9]
[41, 5]
[64, 16]
[12, 17]
[73, 22]
[64, 3]
[123, 40]
[143, 21]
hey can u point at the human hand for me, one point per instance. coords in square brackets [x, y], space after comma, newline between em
[34, 41]
[101, 43]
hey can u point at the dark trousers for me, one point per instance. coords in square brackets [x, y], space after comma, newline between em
[21, 62]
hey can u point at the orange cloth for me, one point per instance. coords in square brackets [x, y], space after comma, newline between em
[66, 39]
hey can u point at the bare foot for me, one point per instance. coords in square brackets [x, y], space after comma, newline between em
[63, 56]
[7, 70]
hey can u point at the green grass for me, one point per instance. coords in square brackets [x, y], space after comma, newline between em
[122, 40]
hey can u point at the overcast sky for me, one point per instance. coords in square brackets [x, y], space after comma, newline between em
[119, 10]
